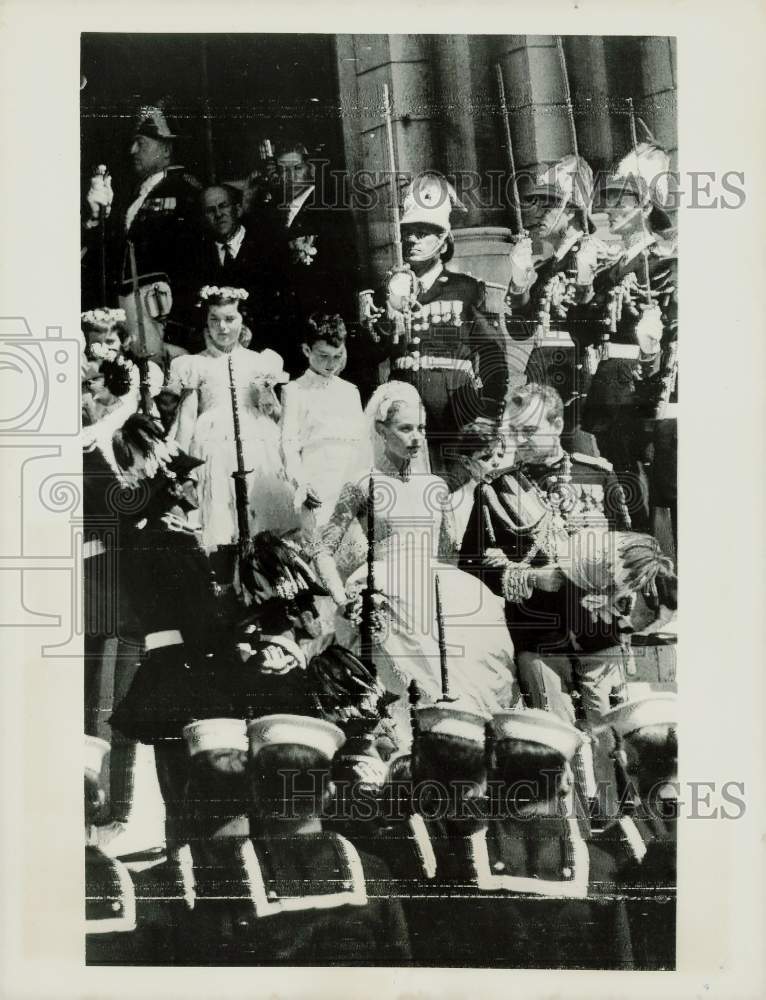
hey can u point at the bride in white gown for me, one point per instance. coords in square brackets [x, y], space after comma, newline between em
[413, 541]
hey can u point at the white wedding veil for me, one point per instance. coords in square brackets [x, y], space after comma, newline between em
[377, 409]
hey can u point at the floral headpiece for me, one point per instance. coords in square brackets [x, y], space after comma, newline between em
[103, 353]
[106, 316]
[222, 292]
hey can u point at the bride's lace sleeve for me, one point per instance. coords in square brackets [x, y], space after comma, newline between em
[351, 504]
[448, 540]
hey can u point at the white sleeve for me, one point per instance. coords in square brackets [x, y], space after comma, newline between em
[290, 432]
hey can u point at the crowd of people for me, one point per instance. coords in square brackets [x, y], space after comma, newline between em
[375, 581]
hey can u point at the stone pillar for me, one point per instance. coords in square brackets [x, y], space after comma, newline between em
[366, 63]
[534, 88]
[658, 103]
[589, 84]
[456, 136]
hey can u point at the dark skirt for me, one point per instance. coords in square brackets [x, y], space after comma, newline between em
[170, 690]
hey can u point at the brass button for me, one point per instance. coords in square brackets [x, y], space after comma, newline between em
[499, 866]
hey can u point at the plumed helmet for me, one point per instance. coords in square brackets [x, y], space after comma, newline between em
[570, 180]
[153, 124]
[645, 172]
[345, 687]
[275, 568]
[430, 199]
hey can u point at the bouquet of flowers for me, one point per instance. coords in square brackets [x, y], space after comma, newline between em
[610, 566]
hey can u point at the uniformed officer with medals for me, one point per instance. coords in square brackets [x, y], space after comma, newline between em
[517, 532]
[543, 298]
[631, 325]
[431, 327]
[154, 245]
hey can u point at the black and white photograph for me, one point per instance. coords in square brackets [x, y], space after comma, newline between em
[349, 480]
[379, 353]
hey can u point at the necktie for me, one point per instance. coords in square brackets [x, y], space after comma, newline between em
[228, 256]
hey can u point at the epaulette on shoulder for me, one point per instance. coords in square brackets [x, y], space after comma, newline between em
[597, 460]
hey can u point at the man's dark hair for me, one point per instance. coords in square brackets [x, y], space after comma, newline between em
[444, 770]
[652, 757]
[526, 772]
[214, 795]
[288, 780]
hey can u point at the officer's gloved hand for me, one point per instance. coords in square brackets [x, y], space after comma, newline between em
[590, 256]
[401, 290]
[649, 330]
[547, 578]
[523, 274]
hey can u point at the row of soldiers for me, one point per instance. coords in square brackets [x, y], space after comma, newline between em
[598, 323]
[297, 835]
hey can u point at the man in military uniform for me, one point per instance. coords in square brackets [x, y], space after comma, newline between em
[542, 297]
[632, 324]
[302, 896]
[162, 222]
[177, 615]
[130, 919]
[431, 328]
[505, 544]
[532, 855]
[517, 533]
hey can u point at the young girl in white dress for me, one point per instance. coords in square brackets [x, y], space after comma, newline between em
[413, 543]
[205, 423]
[321, 420]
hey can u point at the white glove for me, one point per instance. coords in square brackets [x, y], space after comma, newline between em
[523, 274]
[100, 195]
[649, 331]
[399, 294]
[588, 256]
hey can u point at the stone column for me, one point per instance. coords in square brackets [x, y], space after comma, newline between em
[366, 63]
